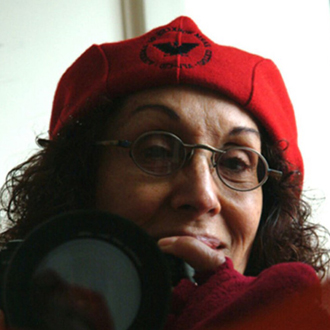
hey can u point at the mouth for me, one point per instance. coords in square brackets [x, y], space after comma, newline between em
[211, 241]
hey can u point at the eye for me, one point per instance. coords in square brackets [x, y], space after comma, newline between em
[154, 147]
[234, 164]
[237, 159]
[155, 152]
[234, 168]
[239, 165]
[158, 153]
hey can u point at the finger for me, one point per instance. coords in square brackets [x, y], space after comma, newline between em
[197, 254]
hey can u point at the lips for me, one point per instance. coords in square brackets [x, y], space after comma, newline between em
[212, 242]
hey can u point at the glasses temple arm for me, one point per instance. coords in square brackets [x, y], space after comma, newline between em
[116, 143]
[275, 173]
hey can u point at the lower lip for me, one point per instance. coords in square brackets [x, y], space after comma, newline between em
[211, 242]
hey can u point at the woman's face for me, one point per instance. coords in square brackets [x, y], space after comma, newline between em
[192, 201]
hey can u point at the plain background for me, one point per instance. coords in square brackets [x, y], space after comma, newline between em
[40, 39]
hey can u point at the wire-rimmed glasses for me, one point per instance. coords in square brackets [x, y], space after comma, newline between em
[162, 153]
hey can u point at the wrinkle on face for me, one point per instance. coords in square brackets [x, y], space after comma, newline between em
[183, 201]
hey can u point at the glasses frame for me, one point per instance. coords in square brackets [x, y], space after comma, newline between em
[189, 154]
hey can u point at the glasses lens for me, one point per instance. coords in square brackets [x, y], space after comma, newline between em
[241, 168]
[158, 153]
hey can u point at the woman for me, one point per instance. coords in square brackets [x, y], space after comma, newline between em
[197, 144]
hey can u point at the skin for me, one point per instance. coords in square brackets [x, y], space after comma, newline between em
[191, 213]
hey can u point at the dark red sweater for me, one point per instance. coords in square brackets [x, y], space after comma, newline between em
[285, 296]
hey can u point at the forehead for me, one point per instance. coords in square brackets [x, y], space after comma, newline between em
[186, 108]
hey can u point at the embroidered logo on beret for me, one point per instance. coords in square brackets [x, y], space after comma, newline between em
[172, 48]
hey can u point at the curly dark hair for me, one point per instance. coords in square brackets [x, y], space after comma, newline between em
[286, 232]
[58, 178]
[61, 177]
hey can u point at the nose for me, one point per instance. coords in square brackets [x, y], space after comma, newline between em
[196, 188]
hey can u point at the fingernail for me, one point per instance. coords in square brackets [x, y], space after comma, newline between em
[167, 241]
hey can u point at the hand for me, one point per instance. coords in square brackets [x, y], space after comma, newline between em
[197, 254]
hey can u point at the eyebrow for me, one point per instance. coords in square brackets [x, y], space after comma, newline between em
[174, 115]
[242, 129]
[163, 108]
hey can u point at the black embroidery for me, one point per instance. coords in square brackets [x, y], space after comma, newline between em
[172, 49]
[189, 60]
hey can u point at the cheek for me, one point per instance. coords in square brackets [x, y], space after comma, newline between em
[245, 212]
[253, 214]
[243, 219]
[130, 196]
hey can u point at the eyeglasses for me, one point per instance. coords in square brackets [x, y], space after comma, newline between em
[162, 153]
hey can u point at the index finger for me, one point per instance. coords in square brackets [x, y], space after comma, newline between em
[197, 254]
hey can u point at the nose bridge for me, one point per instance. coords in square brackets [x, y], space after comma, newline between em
[200, 164]
[203, 150]
[198, 185]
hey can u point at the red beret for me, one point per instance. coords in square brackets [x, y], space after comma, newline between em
[179, 53]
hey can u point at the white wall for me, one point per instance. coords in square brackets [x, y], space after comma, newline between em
[40, 39]
[296, 35]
